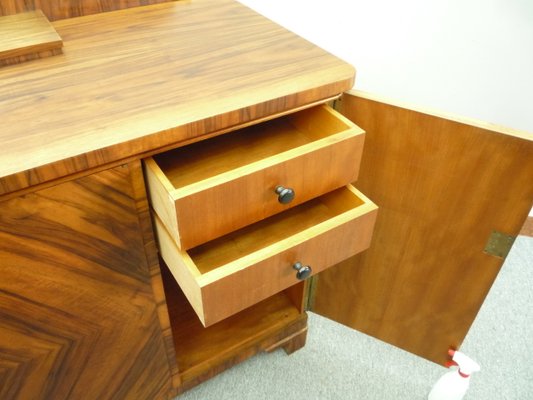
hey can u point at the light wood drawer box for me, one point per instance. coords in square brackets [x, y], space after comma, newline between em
[226, 275]
[207, 189]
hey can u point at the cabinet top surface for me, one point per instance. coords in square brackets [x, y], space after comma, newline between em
[135, 80]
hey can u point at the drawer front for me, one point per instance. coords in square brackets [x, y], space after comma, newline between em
[261, 272]
[216, 205]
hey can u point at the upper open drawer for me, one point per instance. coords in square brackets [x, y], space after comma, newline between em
[213, 187]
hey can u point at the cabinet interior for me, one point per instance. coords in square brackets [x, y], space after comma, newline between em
[200, 349]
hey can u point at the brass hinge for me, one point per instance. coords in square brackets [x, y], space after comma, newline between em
[310, 291]
[336, 103]
[499, 244]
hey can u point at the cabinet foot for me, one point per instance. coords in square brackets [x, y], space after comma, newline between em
[292, 343]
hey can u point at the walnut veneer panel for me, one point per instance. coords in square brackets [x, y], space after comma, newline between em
[442, 186]
[27, 36]
[78, 317]
[59, 9]
[152, 77]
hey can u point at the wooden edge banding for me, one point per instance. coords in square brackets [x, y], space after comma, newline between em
[152, 259]
[30, 56]
[451, 117]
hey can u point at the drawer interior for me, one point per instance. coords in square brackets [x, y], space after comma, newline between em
[245, 241]
[209, 158]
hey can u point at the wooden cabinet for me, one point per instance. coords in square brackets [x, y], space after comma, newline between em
[87, 307]
[78, 251]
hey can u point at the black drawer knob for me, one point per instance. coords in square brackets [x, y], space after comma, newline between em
[285, 195]
[304, 271]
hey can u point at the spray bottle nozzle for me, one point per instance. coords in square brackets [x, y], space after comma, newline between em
[466, 364]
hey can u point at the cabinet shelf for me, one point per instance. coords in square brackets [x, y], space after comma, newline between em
[203, 352]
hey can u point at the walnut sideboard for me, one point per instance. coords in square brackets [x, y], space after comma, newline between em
[180, 182]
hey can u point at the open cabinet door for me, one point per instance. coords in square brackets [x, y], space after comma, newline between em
[450, 194]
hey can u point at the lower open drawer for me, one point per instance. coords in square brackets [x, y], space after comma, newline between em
[231, 273]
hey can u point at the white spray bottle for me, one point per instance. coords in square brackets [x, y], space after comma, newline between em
[454, 384]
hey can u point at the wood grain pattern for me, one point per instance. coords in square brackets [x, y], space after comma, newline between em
[205, 352]
[78, 317]
[249, 265]
[61, 9]
[137, 88]
[229, 181]
[442, 186]
[27, 36]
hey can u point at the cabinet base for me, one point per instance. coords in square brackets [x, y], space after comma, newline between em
[292, 343]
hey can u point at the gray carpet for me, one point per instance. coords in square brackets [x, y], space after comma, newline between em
[339, 363]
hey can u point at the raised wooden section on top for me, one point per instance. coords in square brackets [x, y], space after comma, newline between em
[27, 36]
[136, 80]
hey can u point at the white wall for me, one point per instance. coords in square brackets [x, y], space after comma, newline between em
[473, 58]
[468, 57]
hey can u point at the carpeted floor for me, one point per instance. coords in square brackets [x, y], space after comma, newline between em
[339, 363]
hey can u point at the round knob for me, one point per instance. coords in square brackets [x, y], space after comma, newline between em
[285, 195]
[304, 271]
